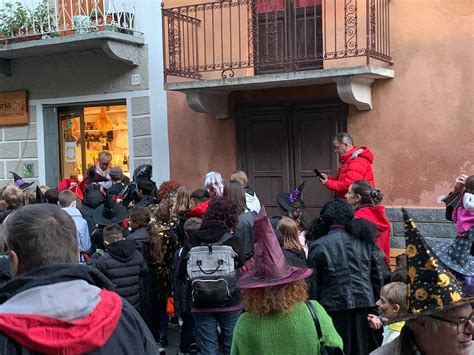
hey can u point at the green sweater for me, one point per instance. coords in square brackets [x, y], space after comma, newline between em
[293, 333]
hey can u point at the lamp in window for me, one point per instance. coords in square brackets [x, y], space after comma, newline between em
[104, 123]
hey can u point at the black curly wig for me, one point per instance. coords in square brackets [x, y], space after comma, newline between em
[224, 210]
[340, 213]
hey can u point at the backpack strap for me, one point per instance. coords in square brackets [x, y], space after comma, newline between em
[224, 239]
[314, 315]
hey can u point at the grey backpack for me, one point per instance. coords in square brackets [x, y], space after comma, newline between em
[212, 273]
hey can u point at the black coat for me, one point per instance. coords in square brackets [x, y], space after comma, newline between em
[5, 213]
[347, 272]
[130, 336]
[91, 201]
[244, 231]
[123, 265]
[148, 285]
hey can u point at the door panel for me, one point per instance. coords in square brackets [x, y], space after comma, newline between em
[312, 135]
[267, 155]
[280, 147]
[51, 146]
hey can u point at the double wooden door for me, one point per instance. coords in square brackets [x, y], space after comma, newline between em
[280, 145]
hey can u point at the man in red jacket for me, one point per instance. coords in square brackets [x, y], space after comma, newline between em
[355, 163]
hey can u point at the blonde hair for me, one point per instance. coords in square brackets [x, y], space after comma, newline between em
[396, 293]
[29, 196]
[105, 156]
[240, 176]
[13, 196]
[182, 200]
[289, 229]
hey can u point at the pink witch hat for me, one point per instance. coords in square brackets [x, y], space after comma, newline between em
[270, 268]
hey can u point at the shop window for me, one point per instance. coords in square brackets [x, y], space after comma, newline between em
[85, 131]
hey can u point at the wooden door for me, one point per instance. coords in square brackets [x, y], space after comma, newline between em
[280, 146]
[266, 154]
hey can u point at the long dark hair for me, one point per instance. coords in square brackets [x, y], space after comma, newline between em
[368, 195]
[340, 213]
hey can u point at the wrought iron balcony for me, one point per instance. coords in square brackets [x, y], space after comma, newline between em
[26, 20]
[237, 38]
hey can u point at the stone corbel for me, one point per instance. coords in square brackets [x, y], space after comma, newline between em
[122, 52]
[356, 91]
[5, 68]
[216, 102]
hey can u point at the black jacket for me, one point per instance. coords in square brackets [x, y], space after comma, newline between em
[91, 201]
[148, 285]
[211, 232]
[129, 336]
[347, 272]
[5, 213]
[244, 231]
[123, 265]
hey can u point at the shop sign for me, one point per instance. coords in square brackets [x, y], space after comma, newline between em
[14, 108]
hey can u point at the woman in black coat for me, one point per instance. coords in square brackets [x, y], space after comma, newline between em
[347, 274]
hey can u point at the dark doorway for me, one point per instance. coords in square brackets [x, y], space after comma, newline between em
[289, 36]
[280, 145]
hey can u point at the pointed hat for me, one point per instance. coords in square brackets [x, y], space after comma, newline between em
[431, 286]
[19, 182]
[271, 268]
[292, 200]
[40, 197]
[110, 212]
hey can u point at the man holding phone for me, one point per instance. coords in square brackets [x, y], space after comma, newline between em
[355, 163]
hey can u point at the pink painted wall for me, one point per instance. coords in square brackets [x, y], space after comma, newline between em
[420, 129]
[199, 143]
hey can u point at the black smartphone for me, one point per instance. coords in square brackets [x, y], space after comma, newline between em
[318, 174]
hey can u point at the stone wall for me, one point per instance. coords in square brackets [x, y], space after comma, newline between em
[430, 221]
[19, 146]
[141, 131]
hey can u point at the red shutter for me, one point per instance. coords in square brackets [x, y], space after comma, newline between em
[270, 5]
[307, 3]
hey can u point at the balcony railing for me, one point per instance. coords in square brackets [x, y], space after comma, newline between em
[245, 37]
[35, 19]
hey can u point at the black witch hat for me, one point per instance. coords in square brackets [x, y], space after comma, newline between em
[40, 197]
[292, 200]
[110, 212]
[19, 182]
[431, 285]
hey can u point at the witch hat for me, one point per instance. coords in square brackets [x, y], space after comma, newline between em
[271, 267]
[40, 197]
[457, 254]
[110, 212]
[19, 182]
[431, 286]
[292, 200]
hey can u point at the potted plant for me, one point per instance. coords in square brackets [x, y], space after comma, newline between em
[15, 21]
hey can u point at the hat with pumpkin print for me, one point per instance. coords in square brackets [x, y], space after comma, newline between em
[431, 287]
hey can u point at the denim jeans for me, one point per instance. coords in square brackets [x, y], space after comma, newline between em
[206, 330]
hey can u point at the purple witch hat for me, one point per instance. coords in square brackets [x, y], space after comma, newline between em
[19, 182]
[291, 201]
[271, 267]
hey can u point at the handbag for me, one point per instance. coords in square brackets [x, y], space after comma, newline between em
[324, 349]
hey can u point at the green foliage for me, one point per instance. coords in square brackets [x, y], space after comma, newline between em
[17, 20]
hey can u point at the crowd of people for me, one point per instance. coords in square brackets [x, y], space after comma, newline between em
[104, 265]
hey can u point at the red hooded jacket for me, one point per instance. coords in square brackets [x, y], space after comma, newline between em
[376, 215]
[355, 164]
